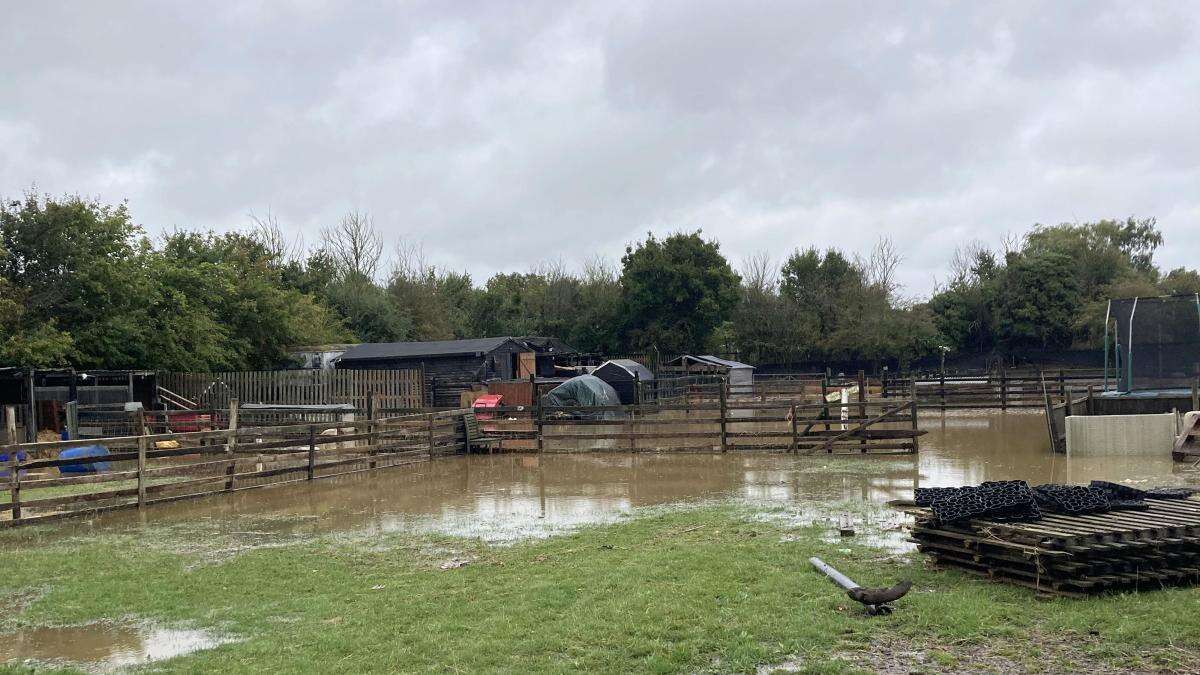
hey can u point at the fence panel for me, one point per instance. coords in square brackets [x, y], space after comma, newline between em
[395, 389]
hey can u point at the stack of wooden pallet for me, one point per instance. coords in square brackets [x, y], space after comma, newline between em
[1073, 555]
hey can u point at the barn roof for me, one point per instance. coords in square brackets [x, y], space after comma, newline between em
[630, 366]
[709, 359]
[409, 350]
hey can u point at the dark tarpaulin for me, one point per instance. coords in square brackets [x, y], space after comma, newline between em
[584, 390]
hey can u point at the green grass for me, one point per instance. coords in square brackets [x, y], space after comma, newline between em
[710, 589]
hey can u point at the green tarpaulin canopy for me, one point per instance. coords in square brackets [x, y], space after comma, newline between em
[585, 390]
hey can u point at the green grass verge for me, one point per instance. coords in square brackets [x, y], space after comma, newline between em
[711, 589]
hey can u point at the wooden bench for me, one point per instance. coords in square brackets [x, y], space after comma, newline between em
[475, 438]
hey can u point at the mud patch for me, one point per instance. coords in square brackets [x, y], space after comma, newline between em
[102, 647]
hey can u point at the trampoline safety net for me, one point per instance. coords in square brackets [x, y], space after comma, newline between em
[1156, 343]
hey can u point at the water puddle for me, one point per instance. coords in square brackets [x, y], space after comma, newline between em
[506, 498]
[102, 647]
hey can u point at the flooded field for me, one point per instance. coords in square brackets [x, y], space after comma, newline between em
[507, 497]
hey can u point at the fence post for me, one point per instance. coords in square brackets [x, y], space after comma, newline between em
[372, 411]
[231, 443]
[538, 414]
[637, 389]
[824, 400]
[942, 386]
[1196, 394]
[143, 442]
[429, 428]
[724, 411]
[312, 451]
[14, 471]
[913, 411]
[1090, 406]
[792, 415]
[1062, 385]
[1003, 389]
[862, 406]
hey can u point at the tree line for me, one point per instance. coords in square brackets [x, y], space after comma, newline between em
[82, 285]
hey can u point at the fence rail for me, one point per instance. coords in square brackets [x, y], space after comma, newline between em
[150, 468]
[1000, 389]
[395, 389]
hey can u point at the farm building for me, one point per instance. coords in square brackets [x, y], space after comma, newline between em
[39, 397]
[624, 376]
[453, 366]
[740, 375]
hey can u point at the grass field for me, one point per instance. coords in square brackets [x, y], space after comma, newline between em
[706, 589]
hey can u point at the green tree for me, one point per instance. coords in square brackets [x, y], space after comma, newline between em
[675, 292]
[1038, 302]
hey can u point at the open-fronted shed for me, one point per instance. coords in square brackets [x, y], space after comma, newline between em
[624, 376]
[740, 375]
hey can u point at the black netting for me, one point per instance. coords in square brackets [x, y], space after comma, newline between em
[996, 500]
[1157, 341]
[1072, 499]
[1014, 500]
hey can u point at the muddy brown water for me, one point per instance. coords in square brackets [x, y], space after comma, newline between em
[103, 647]
[512, 496]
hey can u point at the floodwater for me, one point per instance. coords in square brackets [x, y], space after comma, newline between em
[102, 647]
[506, 498]
[502, 498]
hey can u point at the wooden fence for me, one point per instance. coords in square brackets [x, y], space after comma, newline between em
[152, 468]
[998, 389]
[721, 425]
[396, 389]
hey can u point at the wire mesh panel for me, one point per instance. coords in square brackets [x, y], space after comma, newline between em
[1157, 341]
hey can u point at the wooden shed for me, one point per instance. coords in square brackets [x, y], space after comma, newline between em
[740, 375]
[623, 375]
[450, 366]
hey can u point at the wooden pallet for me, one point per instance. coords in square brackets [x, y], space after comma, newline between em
[1072, 556]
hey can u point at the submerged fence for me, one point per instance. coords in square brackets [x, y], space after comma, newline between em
[225, 454]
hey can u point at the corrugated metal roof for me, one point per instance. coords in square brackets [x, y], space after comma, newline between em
[408, 350]
[630, 366]
[711, 360]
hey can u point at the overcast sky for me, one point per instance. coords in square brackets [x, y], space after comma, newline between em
[499, 135]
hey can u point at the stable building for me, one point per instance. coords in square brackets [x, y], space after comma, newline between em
[625, 376]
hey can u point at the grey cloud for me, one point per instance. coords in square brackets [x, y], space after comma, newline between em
[504, 134]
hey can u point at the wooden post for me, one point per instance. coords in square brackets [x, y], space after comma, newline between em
[942, 386]
[143, 444]
[14, 483]
[724, 414]
[1068, 405]
[1062, 385]
[538, 415]
[637, 389]
[31, 426]
[1196, 394]
[1090, 407]
[795, 445]
[10, 425]
[14, 473]
[429, 428]
[231, 443]
[862, 406]
[312, 451]
[1003, 389]
[913, 412]
[372, 437]
[824, 400]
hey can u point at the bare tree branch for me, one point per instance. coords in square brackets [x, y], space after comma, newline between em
[354, 244]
